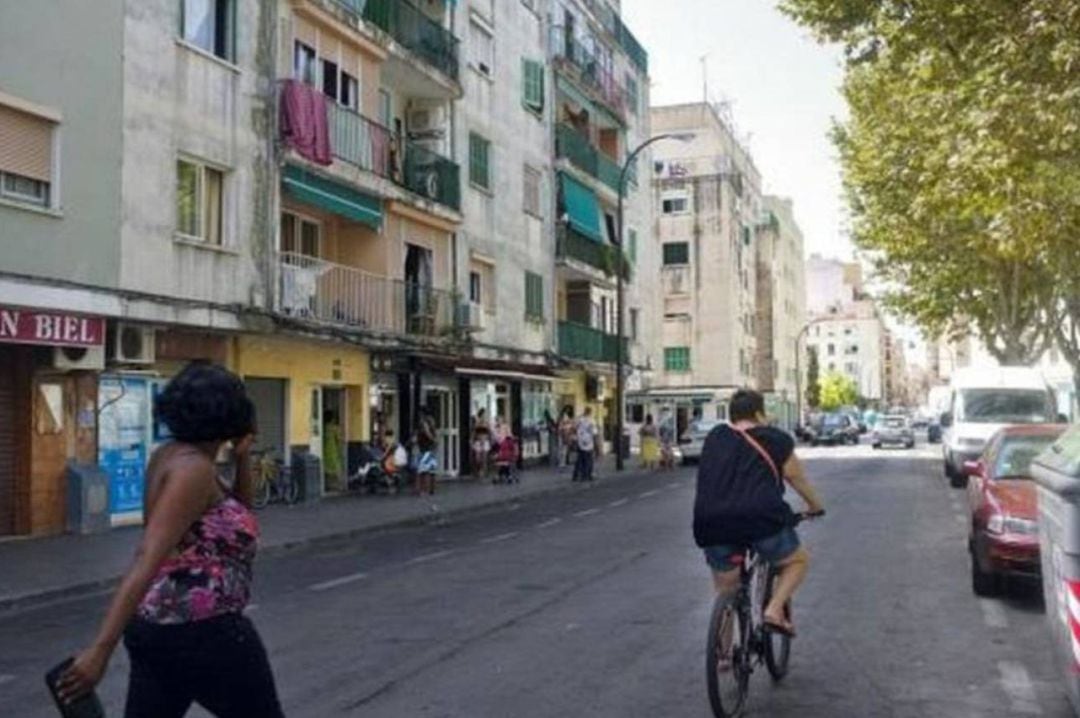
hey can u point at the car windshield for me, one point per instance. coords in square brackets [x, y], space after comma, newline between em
[1016, 454]
[701, 428]
[1004, 406]
[894, 422]
[833, 421]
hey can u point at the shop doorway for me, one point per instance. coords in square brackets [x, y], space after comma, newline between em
[268, 395]
[7, 443]
[332, 432]
[443, 404]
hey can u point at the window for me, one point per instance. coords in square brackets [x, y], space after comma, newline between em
[475, 288]
[350, 91]
[677, 359]
[299, 235]
[534, 296]
[479, 158]
[532, 90]
[199, 195]
[531, 190]
[208, 24]
[26, 157]
[632, 98]
[330, 79]
[483, 49]
[386, 108]
[631, 244]
[304, 63]
[675, 205]
[635, 321]
[676, 253]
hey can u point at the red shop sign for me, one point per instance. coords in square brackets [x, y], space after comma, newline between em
[30, 326]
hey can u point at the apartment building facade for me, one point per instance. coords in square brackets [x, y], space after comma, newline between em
[852, 341]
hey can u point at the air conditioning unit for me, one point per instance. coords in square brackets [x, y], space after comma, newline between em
[426, 121]
[79, 358]
[132, 344]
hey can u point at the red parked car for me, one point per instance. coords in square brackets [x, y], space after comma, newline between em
[1004, 538]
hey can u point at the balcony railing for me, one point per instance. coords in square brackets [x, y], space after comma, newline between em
[317, 290]
[433, 176]
[578, 341]
[417, 32]
[591, 73]
[575, 146]
[602, 256]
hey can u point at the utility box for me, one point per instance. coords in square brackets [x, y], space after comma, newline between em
[1057, 473]
[307, 473]
[87, 499]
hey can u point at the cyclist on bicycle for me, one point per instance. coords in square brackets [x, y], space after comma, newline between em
[739, 503]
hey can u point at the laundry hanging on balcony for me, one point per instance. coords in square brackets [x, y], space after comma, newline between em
[304, 125]
[580, 208]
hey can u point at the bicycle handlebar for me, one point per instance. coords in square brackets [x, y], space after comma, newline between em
[808, 516]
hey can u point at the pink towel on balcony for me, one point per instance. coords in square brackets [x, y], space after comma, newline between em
[304, 125]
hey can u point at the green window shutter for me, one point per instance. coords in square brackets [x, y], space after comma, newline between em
[632, 98]
[676, 253]
[631, 249]
[532, 75]
[677, 359]
[534, 296]
[479, 161]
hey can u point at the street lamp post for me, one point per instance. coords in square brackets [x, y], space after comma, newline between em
[620, 360]
[798, 367]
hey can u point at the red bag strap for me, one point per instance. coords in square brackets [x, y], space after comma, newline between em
[761, 450]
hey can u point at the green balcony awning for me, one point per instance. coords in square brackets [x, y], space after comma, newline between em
[582, 209]
[312, 189]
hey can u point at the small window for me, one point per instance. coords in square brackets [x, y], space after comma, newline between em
[676, 253]
[304, 63]
[531, 189]
[350, 91]
[675, 205]
[534, 296]
[483, 49]
[26, 157]
[831, 350]
[632, 98]
[386, 108]
[677, 359]
[532, 74]
[479, 161]
[24, 189]
[476, 295]
[635, 321]
[299, 236]
[631, 244]
[208, 24]
[330, 79]
[199, 201]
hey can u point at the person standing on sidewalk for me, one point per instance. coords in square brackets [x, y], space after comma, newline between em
[427, 463]
[567, 439]
[481, 444]
[650, 443]
[180, 607]
[586, 446]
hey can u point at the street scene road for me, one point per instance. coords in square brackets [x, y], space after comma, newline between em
[594, 602]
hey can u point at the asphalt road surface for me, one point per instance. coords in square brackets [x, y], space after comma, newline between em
[594, 602]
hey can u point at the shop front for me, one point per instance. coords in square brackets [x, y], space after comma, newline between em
[49, 363]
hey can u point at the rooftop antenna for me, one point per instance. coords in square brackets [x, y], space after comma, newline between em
[704, 59]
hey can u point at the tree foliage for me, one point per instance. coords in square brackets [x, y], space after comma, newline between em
[961, 161]
[838, 390]
[813, 379]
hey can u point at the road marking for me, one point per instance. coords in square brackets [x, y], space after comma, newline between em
[586, 512]
[6, 678]
[431, 556]
[647, 494]
[993, 613]
[500, 537]
[617, 504]
[251, 607]
[1016, 683]
[335, 582]
[549, 523]
[674, 485]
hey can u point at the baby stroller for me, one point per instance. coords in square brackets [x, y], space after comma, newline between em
[506, 457]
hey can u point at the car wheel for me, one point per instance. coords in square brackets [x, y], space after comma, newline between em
[956, 479]
[982, 583]
[876, 446]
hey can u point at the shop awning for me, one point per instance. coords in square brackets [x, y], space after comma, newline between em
[331, 196]
[582, 208]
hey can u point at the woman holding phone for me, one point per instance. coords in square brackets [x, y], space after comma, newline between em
[180, 606]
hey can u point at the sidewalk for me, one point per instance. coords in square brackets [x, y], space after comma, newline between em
[35, 570]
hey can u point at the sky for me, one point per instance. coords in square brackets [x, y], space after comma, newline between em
[782, 85]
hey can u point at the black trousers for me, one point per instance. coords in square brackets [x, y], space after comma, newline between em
[219, 663]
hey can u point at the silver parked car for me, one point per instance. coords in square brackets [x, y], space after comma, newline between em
[693, 440]
[894, 429]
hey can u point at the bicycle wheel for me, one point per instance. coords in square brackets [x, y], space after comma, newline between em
[261, 496]
[727, 657]
[777, 645]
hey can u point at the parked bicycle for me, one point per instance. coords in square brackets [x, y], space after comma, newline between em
[273, 483]
[738, 641]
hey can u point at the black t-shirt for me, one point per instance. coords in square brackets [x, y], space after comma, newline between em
[739, 497]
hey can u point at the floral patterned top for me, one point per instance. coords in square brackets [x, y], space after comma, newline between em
[210, 574]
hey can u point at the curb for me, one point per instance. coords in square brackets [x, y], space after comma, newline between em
[41, 599]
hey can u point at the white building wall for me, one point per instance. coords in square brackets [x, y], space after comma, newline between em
[856, 341]
[789, 292]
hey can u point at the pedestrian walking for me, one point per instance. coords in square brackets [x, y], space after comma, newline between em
[586, 446]
[427, 459]
[480, 442]
[568, 439]
[180, 607]
[650, 443]
[666, 432]
[554, 449]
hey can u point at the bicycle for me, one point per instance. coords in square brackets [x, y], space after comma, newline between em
[739, 620]
[273, 484]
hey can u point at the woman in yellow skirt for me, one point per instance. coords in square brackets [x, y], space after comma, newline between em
[650, 443]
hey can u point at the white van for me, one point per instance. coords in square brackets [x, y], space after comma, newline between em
[982, 401]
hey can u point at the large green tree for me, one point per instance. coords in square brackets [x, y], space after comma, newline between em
[838, 390]
[961, 161]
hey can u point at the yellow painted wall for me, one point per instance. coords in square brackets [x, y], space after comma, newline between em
[307, 364]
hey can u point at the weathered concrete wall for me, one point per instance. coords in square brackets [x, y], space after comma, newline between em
[77, 73]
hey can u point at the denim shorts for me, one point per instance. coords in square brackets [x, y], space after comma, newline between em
[773, 549]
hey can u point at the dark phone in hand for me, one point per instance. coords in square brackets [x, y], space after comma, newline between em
[86, 707]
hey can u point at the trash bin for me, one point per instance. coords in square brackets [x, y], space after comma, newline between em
[87, 499]
[1057, 473]
[307, 472]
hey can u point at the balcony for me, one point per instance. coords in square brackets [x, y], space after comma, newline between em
[589, 72]
[433, 176]
[603, 257]
[575, 146]
[323, 292]
[414, 31]
[578, 341]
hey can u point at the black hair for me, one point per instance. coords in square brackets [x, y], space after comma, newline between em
[648, 418]
[205, 402]
[745, 405]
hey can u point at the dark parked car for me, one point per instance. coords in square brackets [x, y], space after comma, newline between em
[833, 429]
[933, 432]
